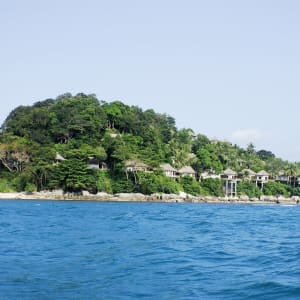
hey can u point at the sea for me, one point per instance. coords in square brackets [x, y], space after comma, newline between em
[106, 250]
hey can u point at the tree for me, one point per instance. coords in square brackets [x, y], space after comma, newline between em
[104, 183]
[275, 188]
[113, 112]
[265, 155]
[292, 172]
[71, 175]
[14, 155]
[213, 187]
[248, 188]
[190, 185]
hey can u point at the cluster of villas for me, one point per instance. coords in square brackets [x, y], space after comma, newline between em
[229, 176]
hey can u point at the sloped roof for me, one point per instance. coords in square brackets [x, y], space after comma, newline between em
[249, 172]
[187, 170]
[263, 173]
[59, 157]
[229, 172]
[167, 167]
[135, 163]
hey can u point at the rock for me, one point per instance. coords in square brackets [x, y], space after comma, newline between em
[296, 198]
[244, 198]
[130, 197]
[281, 198]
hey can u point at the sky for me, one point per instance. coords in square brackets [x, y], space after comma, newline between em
[229, 69]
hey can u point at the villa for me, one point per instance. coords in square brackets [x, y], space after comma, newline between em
[230, 185]
[169, 171]
[261, 178]
[187, 171]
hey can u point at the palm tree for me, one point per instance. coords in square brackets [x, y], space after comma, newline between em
[291, 172]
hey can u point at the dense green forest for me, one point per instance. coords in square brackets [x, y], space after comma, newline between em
[53, 144]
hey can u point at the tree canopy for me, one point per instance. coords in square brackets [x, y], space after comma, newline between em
[81, 128]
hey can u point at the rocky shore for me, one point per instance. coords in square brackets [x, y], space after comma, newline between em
[136, 197]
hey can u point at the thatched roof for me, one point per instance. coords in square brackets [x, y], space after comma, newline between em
[135, 163]
[248, 172]
[263, 173]
[167, 168]
[229, 172]
[187, 170]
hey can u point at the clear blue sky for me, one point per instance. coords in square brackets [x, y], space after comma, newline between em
[229, 69]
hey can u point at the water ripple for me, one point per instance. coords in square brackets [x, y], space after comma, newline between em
[88, 250]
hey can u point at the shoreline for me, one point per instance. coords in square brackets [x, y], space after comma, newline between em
[155, 198]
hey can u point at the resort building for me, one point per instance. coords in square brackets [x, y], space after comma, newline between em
[93, 163]
[287, 179]
[210, 173]
[248, 174]
[169, 171]
[282, 178]
[187, 171]
[135, 165]
[230, 183]
[261, 178]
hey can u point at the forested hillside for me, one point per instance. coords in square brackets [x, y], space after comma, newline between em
[56, 144]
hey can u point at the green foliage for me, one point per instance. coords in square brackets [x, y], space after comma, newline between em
[150, 183]
[122, 186]
[190, 185]
[30, 187]
[208, 159]
[80, 117]
[104, 183]
[80, 127]
[213, 187]
[21, 180]
[265, 155]
[168, 185]
[5, 186]
[275, 188]
[71, 175]
[248, 188]
[295, 191]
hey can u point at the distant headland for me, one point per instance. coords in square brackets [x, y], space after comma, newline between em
[98, 150]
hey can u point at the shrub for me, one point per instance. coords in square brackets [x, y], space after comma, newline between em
[212, 187]
[5, 186]
[104, 182]
[30, 187]
[122, 186]
[190, 185]
[248, 188]
[275, 188]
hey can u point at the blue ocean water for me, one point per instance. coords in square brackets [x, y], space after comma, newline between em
[94, 250]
